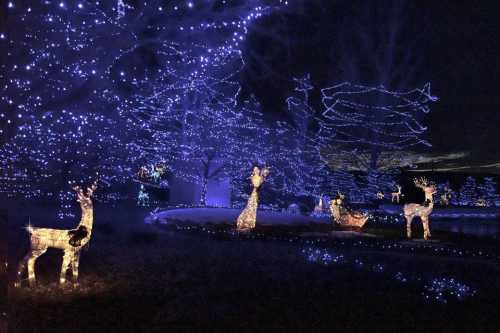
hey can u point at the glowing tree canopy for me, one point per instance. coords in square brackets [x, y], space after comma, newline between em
[374, 119]
[79, 71]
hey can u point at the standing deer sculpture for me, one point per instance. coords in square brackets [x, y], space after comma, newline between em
[247, 219]
[70, 241]
[423, 211]
[395, 195]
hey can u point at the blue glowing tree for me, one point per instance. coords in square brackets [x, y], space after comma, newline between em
[488, 191]
[72, 65]
[468, 194]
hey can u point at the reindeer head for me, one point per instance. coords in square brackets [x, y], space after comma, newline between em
[85, 199]
[264, 172]
[337, 201]
[428, 187]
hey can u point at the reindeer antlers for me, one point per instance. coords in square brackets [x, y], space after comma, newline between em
[423, 183]
[90, 190]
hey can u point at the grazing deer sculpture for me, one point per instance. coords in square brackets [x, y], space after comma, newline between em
[344, 217]
[423, 211]
[247, 219]
[70, 241]
[395, 195]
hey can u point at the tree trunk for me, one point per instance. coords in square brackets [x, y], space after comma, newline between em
[203, 198]
[374, 159]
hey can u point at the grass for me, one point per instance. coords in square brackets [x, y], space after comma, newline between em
[142, 278]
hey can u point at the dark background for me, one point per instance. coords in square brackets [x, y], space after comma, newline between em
[457, 42]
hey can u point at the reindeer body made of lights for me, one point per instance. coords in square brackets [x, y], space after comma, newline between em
[345, 217]
[70, 241]
[396, 195]
[247, 219]
[423, 211]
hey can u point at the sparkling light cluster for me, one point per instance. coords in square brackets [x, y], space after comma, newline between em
[440, 290]
[322, 256]
[443, 289]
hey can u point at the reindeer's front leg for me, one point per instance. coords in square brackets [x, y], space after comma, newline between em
[67, 260]
[425, 223]
[409, 218]
[74, 267]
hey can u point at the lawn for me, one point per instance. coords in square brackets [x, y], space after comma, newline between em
[138, 277]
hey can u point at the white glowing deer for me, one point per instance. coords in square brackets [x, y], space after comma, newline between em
[395, 195]
[70, 241]
[423, 211]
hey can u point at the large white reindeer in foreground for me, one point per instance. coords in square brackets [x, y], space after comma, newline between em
[70, 241]
[423, 211]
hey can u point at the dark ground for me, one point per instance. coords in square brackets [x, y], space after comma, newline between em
[143, 278]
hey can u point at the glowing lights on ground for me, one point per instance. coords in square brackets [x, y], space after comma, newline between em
[322, 256]
[441, 290]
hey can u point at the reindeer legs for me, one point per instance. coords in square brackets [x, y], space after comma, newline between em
[427, 232]
[408, 225]
[30, 259]
[21, 268]
[74, 267]
[67, 260]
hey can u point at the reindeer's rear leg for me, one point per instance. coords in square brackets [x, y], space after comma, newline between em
[30, 259]
[21, 268]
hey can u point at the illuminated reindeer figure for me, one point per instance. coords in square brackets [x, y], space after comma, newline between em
[423, 211]
[345, 217]
[246, 220]
[396, 195]
[70, 241]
